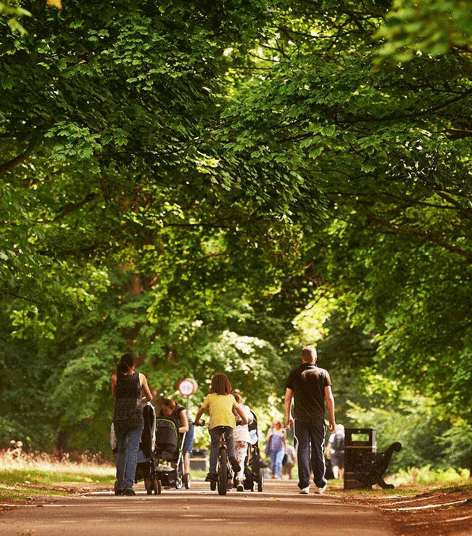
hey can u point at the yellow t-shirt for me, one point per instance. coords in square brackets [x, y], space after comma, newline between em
[221, 409]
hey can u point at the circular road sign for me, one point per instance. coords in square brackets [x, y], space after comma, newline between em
[187, 387]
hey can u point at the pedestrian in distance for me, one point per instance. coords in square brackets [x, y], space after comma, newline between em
[276, 439]
[172, 410]
[335, 451]
[290, 460]
[309, 387]
[222, 407]
[242, 439]
[130, 390]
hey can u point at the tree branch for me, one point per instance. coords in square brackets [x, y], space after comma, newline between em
[8, 293]
[4, 168]
[426, 236]
[454, 202]
[74, 206]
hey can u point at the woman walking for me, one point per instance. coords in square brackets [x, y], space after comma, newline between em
[127, 386]
[171, 409]
[276, 441]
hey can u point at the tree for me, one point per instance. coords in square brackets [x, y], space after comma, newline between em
[386, 150]
[116, 195]
[208, 171]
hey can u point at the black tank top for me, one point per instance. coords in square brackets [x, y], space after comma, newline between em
[128, 407]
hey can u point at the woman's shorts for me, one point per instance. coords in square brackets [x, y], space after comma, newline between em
[337, 461]
[188, 441]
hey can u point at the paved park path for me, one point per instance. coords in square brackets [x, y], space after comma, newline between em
[278, 511]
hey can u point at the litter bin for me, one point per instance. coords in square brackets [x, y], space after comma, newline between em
[357, 442]
[199, 460]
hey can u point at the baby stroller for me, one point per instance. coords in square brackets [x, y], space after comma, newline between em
[145, 468]
[168, 457]
[254, 464]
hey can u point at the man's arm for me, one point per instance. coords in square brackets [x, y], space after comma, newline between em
[330, 405]
[288, 405]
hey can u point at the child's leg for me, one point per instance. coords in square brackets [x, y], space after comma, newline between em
[229, 441]
[240, 451]
[228, 431]
[215, 444]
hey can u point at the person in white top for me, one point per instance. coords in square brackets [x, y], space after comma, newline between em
[242, 438]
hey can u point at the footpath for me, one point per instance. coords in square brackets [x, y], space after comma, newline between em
[278, 510]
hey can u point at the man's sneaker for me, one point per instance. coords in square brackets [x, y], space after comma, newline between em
[319, 491]
[238, 485]
[211, 477]
[129, 492]
[305, 491]
[234, 464]
[118, 491]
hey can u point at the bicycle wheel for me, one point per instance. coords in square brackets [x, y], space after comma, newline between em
[223, 472]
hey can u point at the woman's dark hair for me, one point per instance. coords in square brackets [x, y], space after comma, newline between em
[169, 403]
[125, 364]
[220, 384]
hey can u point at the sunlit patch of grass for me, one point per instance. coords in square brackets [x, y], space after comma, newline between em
[50, 477]
[432, 477]
[16, 493]
[21, 472]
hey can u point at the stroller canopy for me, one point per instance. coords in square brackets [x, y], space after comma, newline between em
[167, 439]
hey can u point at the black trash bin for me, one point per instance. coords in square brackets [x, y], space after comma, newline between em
[357, 442]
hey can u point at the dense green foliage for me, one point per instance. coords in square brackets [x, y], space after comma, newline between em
[191, 181]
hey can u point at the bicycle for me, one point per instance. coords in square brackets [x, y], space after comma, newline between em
[223, 467]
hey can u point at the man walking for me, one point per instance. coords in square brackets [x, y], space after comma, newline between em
[309, 386]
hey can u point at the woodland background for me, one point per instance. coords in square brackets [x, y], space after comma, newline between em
[213, 185]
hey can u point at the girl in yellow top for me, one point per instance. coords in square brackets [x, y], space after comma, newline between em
[222, 406]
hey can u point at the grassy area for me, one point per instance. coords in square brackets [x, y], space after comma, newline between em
[430, 476]
[24, 475]
[20, 492]
[43, 477]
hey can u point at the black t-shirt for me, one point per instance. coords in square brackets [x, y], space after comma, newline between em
[308, 384]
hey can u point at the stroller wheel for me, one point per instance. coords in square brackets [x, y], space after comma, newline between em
[178, 481]
[148, 485]
[157, 487]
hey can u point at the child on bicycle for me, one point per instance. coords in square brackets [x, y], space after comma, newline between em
[223, 407]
